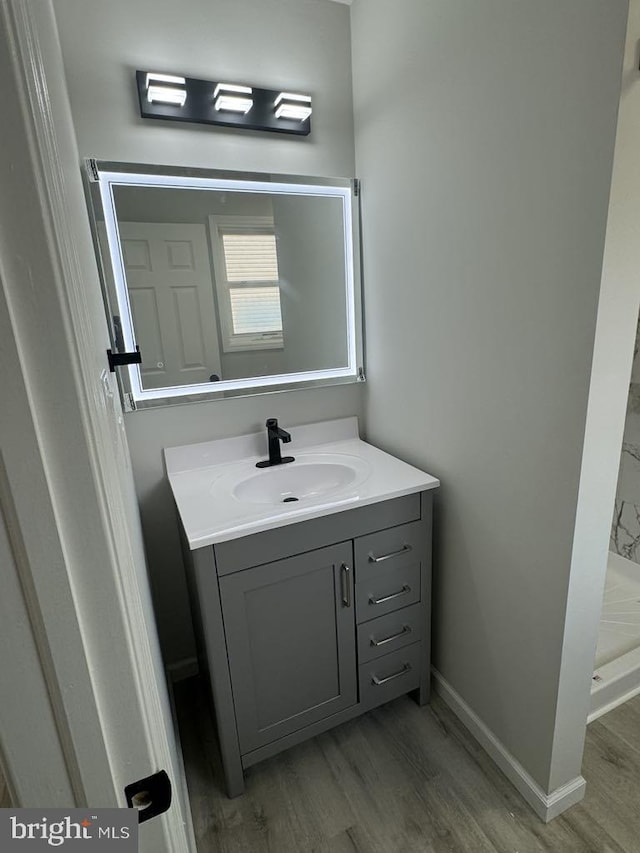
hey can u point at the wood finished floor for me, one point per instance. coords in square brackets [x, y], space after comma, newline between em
[404, 779]
[5, 799]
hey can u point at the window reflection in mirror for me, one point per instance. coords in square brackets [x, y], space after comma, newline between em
[229, 284]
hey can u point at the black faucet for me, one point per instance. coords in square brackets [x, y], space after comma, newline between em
[275, 435]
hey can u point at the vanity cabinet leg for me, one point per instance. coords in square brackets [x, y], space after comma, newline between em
[423, 694]
[234, 781]
[231, 759]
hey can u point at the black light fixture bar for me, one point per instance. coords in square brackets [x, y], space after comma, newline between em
[199, 107]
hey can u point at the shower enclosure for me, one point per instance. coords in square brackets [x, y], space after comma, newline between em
[617, 666]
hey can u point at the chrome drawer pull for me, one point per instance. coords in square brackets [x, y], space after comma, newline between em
[346, 585]
[405, 630]
[405, 589]
[378, 681]
[404, 550]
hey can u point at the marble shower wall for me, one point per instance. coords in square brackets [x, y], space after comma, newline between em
[625, 530]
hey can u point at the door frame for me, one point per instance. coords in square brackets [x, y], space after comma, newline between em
[79, 587]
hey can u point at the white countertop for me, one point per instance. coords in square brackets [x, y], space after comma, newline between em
[202, 476]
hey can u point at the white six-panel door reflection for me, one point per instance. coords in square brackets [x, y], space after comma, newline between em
[171, 296]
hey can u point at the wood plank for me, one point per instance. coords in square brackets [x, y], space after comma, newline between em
[5, 799]
[404, 779]
[612, 772]
[624, 722]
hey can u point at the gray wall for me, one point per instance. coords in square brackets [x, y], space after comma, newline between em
[484, 141]
[312, 280]
[299, 44]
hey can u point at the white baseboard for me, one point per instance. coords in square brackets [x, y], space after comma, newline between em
[546, 806]
[182, 669]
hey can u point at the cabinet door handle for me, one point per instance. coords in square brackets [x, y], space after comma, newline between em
[345, 580]
[404, 550]
[405, 630]
[405, 589]
[378, 681]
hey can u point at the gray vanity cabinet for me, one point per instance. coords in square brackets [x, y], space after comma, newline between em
[306, 626]
[290, 625]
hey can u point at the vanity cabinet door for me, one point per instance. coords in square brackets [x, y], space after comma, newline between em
[290, 632]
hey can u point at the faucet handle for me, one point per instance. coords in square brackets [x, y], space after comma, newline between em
[272, 423]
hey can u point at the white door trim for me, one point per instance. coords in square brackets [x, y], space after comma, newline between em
[28, 669]
[94, 598]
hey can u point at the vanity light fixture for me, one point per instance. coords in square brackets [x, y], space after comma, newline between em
[234, 98]
[189, 99]
[291, 106]
[166, 89]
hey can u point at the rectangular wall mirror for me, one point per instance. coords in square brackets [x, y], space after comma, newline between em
[229, 283]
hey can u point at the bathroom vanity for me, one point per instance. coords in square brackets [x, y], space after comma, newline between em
[311, 611]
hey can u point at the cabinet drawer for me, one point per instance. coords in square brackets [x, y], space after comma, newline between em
[388, 633]
[387, 591]
[390, 676]
[389, 549]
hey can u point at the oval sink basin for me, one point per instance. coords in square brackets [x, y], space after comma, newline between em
[294, 482]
